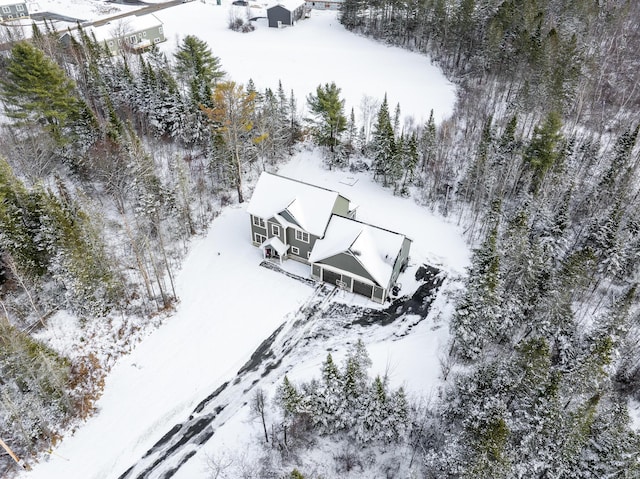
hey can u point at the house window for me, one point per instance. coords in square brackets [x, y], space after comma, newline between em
[258, 221]
[156, 40]
[308, 254]
[275, 230]
[6, 10]
[144, 34]
[258, 238]
[20, 8]
[295, 251]
[302, 236]
[159, 29]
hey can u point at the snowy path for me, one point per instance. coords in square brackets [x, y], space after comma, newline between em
[318, 325]
[184, 439]
[228, 306]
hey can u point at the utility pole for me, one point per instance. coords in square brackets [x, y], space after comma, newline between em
[20, 462]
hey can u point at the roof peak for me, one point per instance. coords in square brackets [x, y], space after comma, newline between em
[301, 182]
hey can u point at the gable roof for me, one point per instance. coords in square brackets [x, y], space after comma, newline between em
[375, 248]
[121, 28]
[276, 243]
[290, 5]
[308, 206]
[12, 2]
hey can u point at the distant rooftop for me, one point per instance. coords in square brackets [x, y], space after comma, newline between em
[11, 2]
[120, 28]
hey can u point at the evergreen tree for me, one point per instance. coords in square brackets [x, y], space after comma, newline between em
[289, 397]
[477, 319]
[36, 90]
[384, 144]
[198, 68]
[428, 143]
[35, 396]
[544, 149]
[328, 110]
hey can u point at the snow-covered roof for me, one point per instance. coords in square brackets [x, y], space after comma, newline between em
[290, 5]
[310, 206]
[375, 248]
[4, 3]
[120, 28]
[276, 244]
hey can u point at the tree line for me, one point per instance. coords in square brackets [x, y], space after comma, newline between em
[111, 164]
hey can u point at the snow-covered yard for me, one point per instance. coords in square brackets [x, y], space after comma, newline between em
[228, 303]
[315, 51]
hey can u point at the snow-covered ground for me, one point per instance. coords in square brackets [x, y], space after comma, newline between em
[315, 51]
[228, 304]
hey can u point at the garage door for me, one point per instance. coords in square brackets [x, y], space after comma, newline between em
[362, 288]
[330, 276]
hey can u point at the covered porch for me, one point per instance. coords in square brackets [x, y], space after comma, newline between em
[274, 248]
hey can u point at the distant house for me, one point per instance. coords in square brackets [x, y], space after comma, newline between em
[286, 13]
[316, 226]
[133, 33]
[13, 9]
[326, 5]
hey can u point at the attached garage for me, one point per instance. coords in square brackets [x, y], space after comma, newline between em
[329, 276]
[359, 258]
[362, 288]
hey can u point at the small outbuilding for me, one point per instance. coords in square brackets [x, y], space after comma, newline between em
[286, 13]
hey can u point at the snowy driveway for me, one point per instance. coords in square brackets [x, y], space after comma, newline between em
[228, 306]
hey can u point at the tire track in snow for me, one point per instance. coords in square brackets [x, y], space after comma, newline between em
[309, 326]
[182, 441]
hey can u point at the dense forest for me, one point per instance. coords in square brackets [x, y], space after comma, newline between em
[111, 164]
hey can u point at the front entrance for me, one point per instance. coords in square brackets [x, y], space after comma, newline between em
[270, 253]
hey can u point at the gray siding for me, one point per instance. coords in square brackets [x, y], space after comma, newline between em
[278, 13]
[346, 262]
[379, 294]
[137, 41]
[16, 10]
[373, 292]
[315, 271]
[256, 229]
[285, 214]
[341, 206]
[318, 5]
[281, 231]
[401, 260]
[304, 248]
